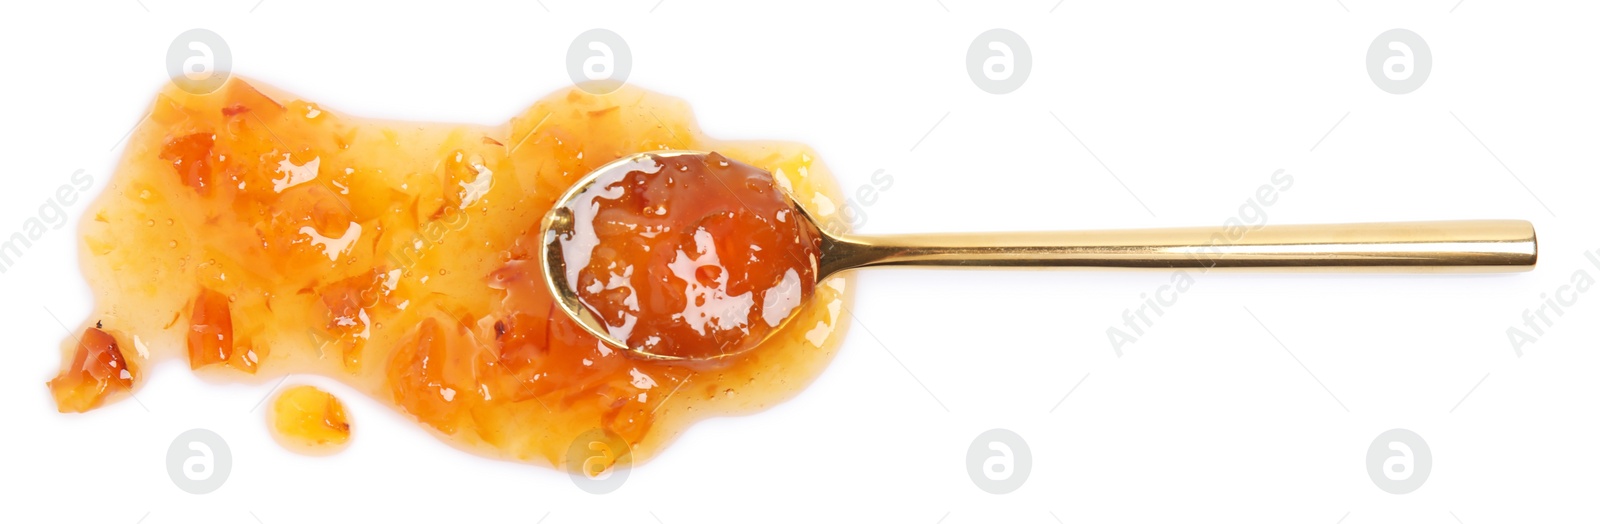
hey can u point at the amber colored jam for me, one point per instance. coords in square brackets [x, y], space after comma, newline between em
[97, 368]
[690, 256]
[309, 420]
[257, 235]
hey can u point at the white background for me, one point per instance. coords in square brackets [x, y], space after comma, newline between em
[1191, 105]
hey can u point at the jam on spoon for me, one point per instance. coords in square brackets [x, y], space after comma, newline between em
[693, 256]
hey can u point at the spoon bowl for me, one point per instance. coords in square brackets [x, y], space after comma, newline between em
[731, 221]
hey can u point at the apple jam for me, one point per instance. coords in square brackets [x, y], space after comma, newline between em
[689, 256]
[255, 235]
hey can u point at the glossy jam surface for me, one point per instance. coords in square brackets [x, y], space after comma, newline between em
[97, 368]
[309, 420]
[253, 235]
[690, 256]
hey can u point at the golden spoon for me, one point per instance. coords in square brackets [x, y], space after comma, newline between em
[1481, 245]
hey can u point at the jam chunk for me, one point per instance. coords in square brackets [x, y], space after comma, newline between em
[693, 256]
[347, 321]
[191, 158]
[211, 339]
[97, 369]
[431, 375]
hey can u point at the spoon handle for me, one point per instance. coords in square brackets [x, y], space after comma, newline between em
[1481, 245]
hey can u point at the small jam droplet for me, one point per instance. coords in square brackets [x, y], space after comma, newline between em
[309, 420]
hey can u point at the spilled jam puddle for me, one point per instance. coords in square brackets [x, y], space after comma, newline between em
[257, 235]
